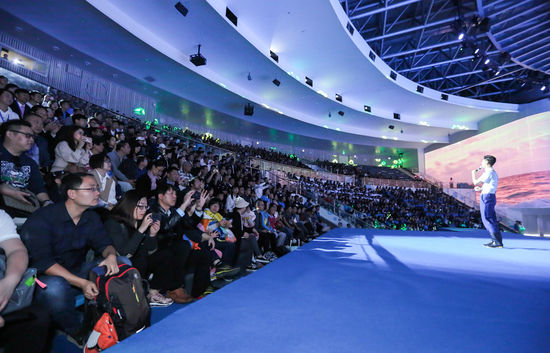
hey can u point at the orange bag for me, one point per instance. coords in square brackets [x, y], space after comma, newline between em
[102, 337]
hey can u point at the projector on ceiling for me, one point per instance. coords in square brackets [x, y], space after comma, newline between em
[198, 59]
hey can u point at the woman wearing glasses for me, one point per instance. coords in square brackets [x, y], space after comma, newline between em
[71, 154]
[101, 165]
[134, 236]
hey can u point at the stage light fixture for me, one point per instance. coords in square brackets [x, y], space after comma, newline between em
[485, 25]
[367, 109]
[397, 116]
[487, 61]
[198, 59]
[476, 51]
[391, 127]
[419, 89]
[341, 113]
[445, 97]
[338, 97]
[277, 82]
[543, 88]
[309, 81]
[461, 36]
[249, 109]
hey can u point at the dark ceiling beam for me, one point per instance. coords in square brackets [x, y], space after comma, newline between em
[429, 47]
[439, 63]
[527, 30]
[464, 74]
[521, 24]
[495, 93]
[382, 9]
[518, 57]
[536, 56]
[517, 43]
[417, 28]
[508, 8]
[545, 39]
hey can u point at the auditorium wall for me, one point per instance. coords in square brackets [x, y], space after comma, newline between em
[107, 94]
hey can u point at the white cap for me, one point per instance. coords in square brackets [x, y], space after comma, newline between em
[162, 145]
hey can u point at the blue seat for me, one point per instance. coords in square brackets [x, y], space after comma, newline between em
[79, 300]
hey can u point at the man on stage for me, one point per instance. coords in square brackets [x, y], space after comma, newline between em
[488, 200]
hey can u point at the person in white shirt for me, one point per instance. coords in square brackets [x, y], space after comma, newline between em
[488, 200]
[101, 165]
[6, 99]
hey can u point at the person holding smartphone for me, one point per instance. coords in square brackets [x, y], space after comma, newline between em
[134, 235]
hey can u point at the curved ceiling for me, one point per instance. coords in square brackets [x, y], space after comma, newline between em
[483, 49]
[154, 39]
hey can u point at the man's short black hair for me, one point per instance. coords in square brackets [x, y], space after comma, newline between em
[37, 107]
[121, 145]
[12, 125]
[76, 117]
[34, 92]
[11, 85]
[97, 160]
[171, 169]
[98, 140]
[6, 90]
[163, 188]
[491, 160]
[72, 182]
[21, 90]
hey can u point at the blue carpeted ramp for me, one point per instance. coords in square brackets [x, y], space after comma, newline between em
[375, 291]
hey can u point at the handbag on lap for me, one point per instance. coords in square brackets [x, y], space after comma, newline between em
[21, 206]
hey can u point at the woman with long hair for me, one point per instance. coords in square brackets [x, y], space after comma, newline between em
[134, 236]
[71, 154]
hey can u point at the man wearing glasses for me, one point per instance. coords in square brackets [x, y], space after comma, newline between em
[17, 168]
[58, 239]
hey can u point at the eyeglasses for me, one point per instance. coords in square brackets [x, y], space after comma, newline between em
[27, 135]
[98, 189]
[143, 207]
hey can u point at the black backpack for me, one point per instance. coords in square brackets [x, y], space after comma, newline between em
[123, 297]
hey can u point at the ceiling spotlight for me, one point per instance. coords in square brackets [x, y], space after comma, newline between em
[477, 51]
[487, 61]
[276, 82]
[329, 114]
[460, 36]
[338, 97]
[401, 130]
[341, 113]
[498, 72]
[543, 88]
[391, 127]
[249, 77]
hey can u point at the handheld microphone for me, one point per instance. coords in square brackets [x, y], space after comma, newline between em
[478, 169]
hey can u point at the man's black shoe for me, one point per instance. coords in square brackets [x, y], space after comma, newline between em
[494, 246]
[488, 245]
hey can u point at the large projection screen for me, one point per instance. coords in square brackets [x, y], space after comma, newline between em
[522, 150]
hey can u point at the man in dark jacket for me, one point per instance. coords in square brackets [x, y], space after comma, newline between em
[177, 231]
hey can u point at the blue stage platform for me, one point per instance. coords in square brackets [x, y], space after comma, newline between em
[357, 290]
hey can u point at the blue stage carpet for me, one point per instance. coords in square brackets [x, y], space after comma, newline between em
[357, 290]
